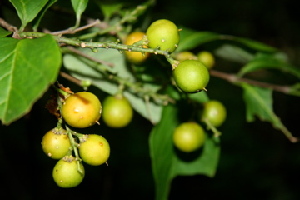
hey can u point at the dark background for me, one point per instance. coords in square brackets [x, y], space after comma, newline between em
[257, 161]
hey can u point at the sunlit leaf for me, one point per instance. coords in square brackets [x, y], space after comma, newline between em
[37, 20]
[28, 9]
[79, 7]
[27, 68]
[3, 32]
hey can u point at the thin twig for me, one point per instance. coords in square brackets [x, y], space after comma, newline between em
[235, 79]
[73, 31]
[71, 78]
[74, 50]
[8, 26]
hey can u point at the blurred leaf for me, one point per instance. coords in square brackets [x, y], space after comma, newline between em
[37, 20]
[198, 96]
[3, 32]
[88, 71]
[108, 9]
[233, 53]
[190, 39]
[259, 103]
[79, 7]
[28, 9]
[166, 163]
[27, 68]
[258, 46]
[264, 61]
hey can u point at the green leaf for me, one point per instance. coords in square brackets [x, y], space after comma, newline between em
[234, 53]
[38, 19]
[28, 9]
[190, 39]
[27, 67]
[108, 9]
[259, 104]
[258, 46]
[88, 71]
[166, 163]
[79, 7]
[3, 32]
[265, 61]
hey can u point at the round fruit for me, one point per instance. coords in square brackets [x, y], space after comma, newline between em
[56, 143]
[163, 34]
[185, 55]
[206, 58]
[65, 173]
[135, 57]
[94, 150]
[188, 136]
[117, 111]
[191, 76]
[81, 109]
[214, 112]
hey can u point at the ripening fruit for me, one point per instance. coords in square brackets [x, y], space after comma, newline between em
[81, 109]
[188, 136]
[65, 173]
[117, 111]
[214, 112]
[163, 34]
[56, 143]
[206, 58]
[191, 76]
[135, 57]
[94, 150]
[185, 55]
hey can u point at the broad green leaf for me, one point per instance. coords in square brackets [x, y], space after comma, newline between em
[88, 71]
[265, 61]
[79, 7]
[37, 20]
[166, 163]
[3, 32]
[28, 9]
[27, 68]
[259, 104]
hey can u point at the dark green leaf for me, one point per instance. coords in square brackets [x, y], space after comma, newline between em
[190, 39]
[265, 61]
[166, 163]
[258, 46]
[79, 7]
[38, 19]
[108, 9]
[259, 104]
[3, 32]
[28, 9]
[234, 53]
[27, 67]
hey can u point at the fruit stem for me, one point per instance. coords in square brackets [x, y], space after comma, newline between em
[212, 128]
[74, 145]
